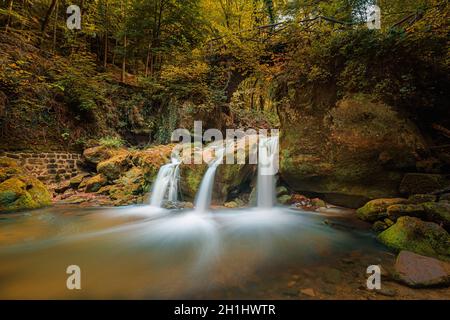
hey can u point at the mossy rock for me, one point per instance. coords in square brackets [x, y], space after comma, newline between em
[191, 178]
[421, 198]
[115, 166]
[438, 212]
[95, 183]
[98, 154]
[281, 191]
[8, 169]
[23, 193]
[413, 234]
[76, 181]
[285, 199]
[351, 151]
[399, 210]
[379, 226]
[421, 183]
[377, 209]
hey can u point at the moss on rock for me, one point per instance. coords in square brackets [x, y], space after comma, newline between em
[23, 192]
[115, 166]
[413, 234]
[95, 183]
[377, 209]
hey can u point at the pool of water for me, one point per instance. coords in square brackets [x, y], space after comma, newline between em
[149, 253]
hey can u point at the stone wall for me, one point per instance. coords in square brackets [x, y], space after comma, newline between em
[48, 166]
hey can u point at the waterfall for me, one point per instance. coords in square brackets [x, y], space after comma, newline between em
[166, 184]
[267, 162]
[204, 194]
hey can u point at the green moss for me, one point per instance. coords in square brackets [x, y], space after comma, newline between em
[115, 166]
[23, 192]
[95, 183]
[412, 234]
[377, 209]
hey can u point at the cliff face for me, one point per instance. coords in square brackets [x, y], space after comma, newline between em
[349, 151]
[355, 117]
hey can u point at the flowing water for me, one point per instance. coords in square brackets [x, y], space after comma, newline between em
[267, 165]
[141, 252]
[204, 194]
[165, 186]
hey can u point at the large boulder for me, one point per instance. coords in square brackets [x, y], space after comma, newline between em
[115, 166]
[98, 154]
[419, 271]
[438, 212]
[413, 234]
[351, 151]
[377, 209]
[23, 192]
[398, 210]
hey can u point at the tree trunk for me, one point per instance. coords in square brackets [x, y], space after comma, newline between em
[149, 56]
[54, 27]
[105, 54]
[10, 7]
[47, 19]
[124, 59]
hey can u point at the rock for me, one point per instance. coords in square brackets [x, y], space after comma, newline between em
[98, 154]
[286, 199]
[231, 205]
[95, 183]
[308, 292]
[377, 209]
[420, 183]
[438, 212]
[23, 192]
[76, 181]
[388, 222]
[316, 202]
[413, 234]
[421, 198]
[387, 292]
[419, 271]
[444, 197]
[62, 187]
[398, 210]
[8, 169]
[173, 205]
[281, 191]
[115, 166]
[379, 226]
[350, 152]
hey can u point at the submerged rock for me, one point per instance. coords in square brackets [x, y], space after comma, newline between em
[413, 234]
[377, 209]
[419, 271]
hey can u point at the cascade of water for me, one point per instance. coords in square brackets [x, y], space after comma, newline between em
[204, 194]
[267, 163]
[166, 184]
